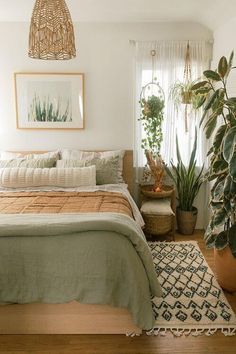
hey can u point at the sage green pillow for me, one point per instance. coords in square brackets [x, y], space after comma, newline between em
[107, 169]
[32, 163]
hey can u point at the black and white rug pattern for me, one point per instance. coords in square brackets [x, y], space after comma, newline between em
[192, 300]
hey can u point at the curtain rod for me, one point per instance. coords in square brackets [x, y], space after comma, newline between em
[209, 41]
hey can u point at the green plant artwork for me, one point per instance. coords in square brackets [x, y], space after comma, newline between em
[46, 109]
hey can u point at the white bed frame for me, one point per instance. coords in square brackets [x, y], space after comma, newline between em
[73, 317]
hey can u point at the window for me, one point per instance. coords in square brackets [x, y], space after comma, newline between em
[169, 67]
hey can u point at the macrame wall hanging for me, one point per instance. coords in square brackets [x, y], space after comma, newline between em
[51, 34]
[181, 92]
[187, 93]
[152, 101]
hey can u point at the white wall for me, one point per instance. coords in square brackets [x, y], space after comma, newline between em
[224, 40]
[106, 58]
[224, 43]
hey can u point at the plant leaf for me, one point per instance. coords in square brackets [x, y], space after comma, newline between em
[232, 167]
[212, 75]
[219, 166]
[230, 62]
[231, 102]
[210, 151]
[221, 240]
[210, 125]
[229, 144]
[199, 85]
[219, 217]
[227, 185]
[219, 137]
[193, 154]
[222, 67]
[211, 100]
[232, 239]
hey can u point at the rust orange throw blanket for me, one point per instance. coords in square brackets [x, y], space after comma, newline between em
[63, 202]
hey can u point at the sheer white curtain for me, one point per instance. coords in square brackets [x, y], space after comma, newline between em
[169, 67]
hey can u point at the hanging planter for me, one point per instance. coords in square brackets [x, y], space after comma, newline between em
[152, 101]
[186, 97]
[181, 92]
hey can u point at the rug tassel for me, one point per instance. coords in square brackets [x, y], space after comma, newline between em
[197, 332]
[210, 332]
[152, 332]
[163, 333]
[177, 332]
[132, 334]
[228, 332]
[156, 332]
[187, 332]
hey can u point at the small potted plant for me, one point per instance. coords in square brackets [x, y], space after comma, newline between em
[187, 183]
[181, 93]
[220, 114]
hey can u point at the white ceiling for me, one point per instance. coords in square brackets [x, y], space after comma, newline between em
[211, 13]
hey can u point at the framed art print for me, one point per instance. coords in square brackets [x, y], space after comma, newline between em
[49, 100]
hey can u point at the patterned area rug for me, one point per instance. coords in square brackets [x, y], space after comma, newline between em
[193, 302]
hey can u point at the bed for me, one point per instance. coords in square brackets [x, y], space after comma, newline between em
[64, 269]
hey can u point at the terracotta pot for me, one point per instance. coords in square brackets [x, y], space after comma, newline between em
[186, 221]
[225, 267]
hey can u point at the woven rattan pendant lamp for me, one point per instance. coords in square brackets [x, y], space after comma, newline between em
[51, 31]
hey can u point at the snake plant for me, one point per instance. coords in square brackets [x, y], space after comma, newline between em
[219, 120]
[185, 178]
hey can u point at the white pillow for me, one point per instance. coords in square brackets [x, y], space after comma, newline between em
[37, 177]
[67, 154]
[7, 155]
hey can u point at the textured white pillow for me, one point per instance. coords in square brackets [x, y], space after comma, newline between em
[157, 207]
[37, 177]
[7, 155]
[67, 154]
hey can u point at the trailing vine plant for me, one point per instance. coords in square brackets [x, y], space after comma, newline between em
[152, 115]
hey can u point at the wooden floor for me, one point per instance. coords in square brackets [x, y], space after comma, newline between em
[119, 344]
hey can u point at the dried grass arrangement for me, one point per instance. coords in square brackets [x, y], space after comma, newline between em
[157, 170]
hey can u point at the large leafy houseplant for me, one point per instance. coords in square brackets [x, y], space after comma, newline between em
[152, 115]
[188, 183]
[220, 114]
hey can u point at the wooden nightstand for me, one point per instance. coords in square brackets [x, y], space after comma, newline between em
[158, 211]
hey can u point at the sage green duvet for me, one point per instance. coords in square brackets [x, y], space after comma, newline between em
[99, 258]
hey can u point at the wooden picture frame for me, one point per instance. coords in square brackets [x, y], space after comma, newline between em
[49, 100]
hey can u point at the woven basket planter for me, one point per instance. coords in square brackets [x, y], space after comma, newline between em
[158, 224]
[186, 221]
